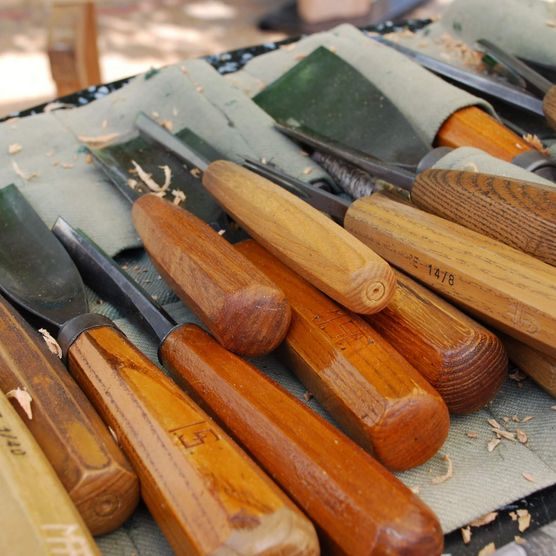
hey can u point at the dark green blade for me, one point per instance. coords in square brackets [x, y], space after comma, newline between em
[35, 270]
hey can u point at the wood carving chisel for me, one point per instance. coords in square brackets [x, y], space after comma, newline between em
[323, 471]
[508, 289]
[314, 246]
[365, 385]
[519, 213]
[37, 515]
[238, 304]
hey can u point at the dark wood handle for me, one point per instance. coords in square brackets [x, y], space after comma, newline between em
[88, 462]
[473, 127]
[356, 504]
[369, 389]
[246, 312]
[205, 493]
[518, 213]
[549, 106]
[464, 361]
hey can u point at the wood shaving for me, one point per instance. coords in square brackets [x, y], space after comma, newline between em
[415, 489]
[307, 396]
[299, 57]
[149, 182]
[490, 548]
[519, 540]
[199, 88]
[155, 115]
[114, 435]
[472, 434]
[195, 172]
[27, 176]
[332, 49]
[132, 183]
[518, 376]
[506, 419]
[513, 515]
[51, 343]
[529, 477]
[466, 534]
[179, 196]
[449, 473]
[98, 140]
[221, 232]
[521, 436]
[67, 165]
[504, 434]
[491, 446]
[484, 520]
[535, 142]
[23, 398]
[493, 423]
[527, 419]
[167, 124]
[14, 148]
[523, 520]
[263, 160]
[88, 158]
[307, 171]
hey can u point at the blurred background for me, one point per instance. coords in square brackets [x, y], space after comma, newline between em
[49, 48]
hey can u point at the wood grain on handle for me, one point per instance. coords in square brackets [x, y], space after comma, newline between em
[246, 312]
[464, 361]
[539, 366]
[358, 507]
[473, 127]
[36, 513]
[518, 213]
[207, 496]
[303, 238]
[367, 387]
[78, 445]
[508, 289]
[549, 106]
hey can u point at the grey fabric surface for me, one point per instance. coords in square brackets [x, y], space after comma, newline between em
[424, 99]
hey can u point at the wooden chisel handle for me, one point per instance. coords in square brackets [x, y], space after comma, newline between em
[303, 238]
[205, 493]
[367, 387]
[464, 361]
[246, 312]
[36, 512]
[508, 289]
[358, 507]
[549, 106]
[473, 127]
[91, 467]
[518, 213]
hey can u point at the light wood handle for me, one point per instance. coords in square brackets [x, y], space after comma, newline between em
[207, 496]
[356, 504]
[518, 213]
[507, 288]
[98, 477]
[473, 127]
[380, 400]
[464, 361]
[246, 312]
[549, 106]
[36, 512]
[303, 238]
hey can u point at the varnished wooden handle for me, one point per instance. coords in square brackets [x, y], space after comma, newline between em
[303, 238]
[472, 127]
[549, 106]
[518, 213]
[356, 504]
[505, 287]
[92, 468]
[36, 513]
[464, 361]
[380, 400]
[246, 312]
[207, 496]
[539, 366]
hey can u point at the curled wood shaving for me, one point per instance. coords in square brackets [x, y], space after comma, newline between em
[518, 376]
[307, 171]
[132, 183]
[484, 520]
[195, 172]
[23, 398]
[14, 148]
[521, 436]
[528, 476]
[149, 182]
[535, 142]
[504, 434]
[27, 176]
[523, 520]
[51, 343]
[493, 423]
[98, 140]
[472, 434]
[492, 444]
[490, 548]
[527, 419]
[179, 196]
[449, 472]
[466, 534]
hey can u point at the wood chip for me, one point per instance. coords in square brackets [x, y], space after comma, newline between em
[449, 472]
[535, 142]
[23, 398]
[521, 436]
[88, 158]
[527, 419]
[51, 343]
[515, 418]
[493, 423]
[490, 548]
[149, 182]
[307, 396]
[519, 540]
[513, 515]
[67, 165]
[155, 115]
[415, 489]
[132, 183]
[523, 520]
[491, 446]
[472, 434]
[98, 140]
[195, 172]
[27, 176]
[14, 148]
[484, 520]
[466, 534]
[179, 197]
[504, 434]
[529, 477]
[518, 376]
[167, 124]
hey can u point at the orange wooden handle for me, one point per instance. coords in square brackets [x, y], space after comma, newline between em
[91, 467]
[357, 505]
[241, 307]
[472, 127]
[367, 387]
[206, 495]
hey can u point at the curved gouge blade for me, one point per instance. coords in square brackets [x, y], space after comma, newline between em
[37, 514]
[510, 290]
[365, 385]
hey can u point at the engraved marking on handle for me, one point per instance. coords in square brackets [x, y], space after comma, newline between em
[523, 318]
[195, 434]
[66, 540]
[340, 328]
[11, 440]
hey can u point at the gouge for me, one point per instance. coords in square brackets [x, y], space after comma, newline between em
[238, 304]
[519, 213]
[508, 289]
[36, 512]
[318, 249]
[367, 387]
[321, 469]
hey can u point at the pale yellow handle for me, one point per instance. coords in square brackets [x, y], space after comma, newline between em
[36, 513]
[505, 287]
[303, 238]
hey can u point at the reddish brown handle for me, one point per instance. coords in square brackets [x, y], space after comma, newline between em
[549, 106]
[357, 505]
[91, 467]
[373, 392]
[205, 493]
[246, 312]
